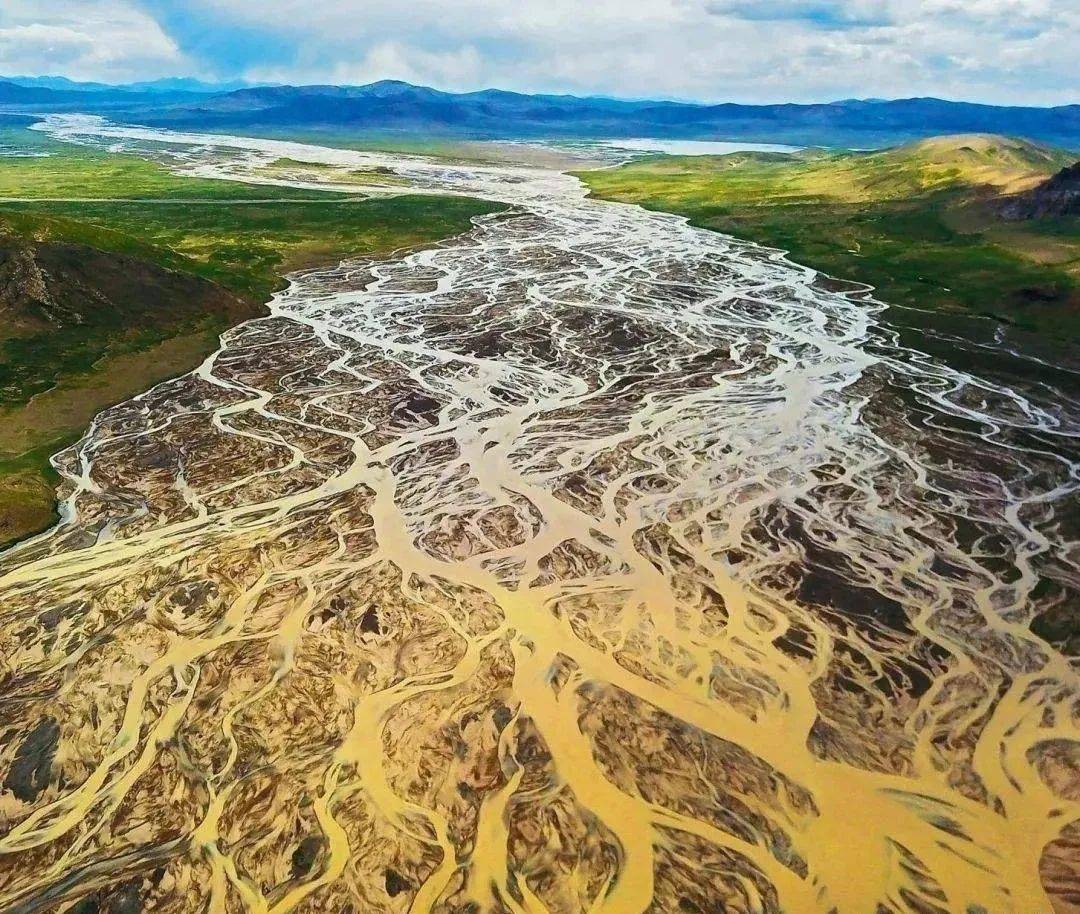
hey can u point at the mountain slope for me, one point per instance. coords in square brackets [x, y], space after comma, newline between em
[394, 106]
[12, 94]
[56, 96]
[1055, 197]
[1005, 164]
[54, 287]
[168, 85]
[399, 106]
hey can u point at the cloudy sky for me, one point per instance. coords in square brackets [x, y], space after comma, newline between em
[1018, 51]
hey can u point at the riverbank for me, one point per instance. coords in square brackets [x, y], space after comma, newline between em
[105, 297]
[914, 222]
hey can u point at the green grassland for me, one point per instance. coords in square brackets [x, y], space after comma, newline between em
[915, 222]
[305, 171]
[247, 247]
[67, 170]
[191, 257]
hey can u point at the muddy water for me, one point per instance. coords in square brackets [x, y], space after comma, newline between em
[586, 563]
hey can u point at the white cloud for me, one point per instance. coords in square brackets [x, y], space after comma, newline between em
[387, 60]
[744, 50]
[753, 50]
[97, 39]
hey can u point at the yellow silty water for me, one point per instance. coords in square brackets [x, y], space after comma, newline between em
[587, 563]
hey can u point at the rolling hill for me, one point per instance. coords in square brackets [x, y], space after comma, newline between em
[921, 222]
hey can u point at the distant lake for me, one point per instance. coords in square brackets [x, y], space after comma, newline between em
[592, 153]
[695, 147]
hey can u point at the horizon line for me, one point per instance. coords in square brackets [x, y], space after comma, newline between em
[245, 84]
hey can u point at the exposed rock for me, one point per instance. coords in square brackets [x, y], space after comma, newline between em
[370, 621]
[305, 855]
[1056, 196]
[22, 285]
[396, 883]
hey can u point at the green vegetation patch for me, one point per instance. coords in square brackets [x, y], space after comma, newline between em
[27, 493]
[247, 248]
[83, 172]
[139, 286]
[915, 222]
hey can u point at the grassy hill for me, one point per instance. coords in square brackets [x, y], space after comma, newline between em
[131, 278]
[918, 222]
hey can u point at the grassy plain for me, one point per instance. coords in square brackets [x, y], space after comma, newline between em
[191, 257]
[915, 222]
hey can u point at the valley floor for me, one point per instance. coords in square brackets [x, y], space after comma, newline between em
[588, 563]
[116, 273]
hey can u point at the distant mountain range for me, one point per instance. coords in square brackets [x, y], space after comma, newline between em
[171, 85]
[398, 107]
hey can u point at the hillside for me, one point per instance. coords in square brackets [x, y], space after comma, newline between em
[64, 305]
[70, 311]
[972, 161]
[398, 107]
[492, 113]
[917, 222]
[1004, 164]
[1056, 197]
[12, 94]
[102, 298]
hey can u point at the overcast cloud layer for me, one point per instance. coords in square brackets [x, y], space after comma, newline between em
[1005, 51]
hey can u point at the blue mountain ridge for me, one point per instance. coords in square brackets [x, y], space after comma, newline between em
[400, 107]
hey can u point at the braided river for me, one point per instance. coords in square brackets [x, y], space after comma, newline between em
[586, 562]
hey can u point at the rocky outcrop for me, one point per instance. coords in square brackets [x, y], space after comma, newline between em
[1055, 197]
[22, 286]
